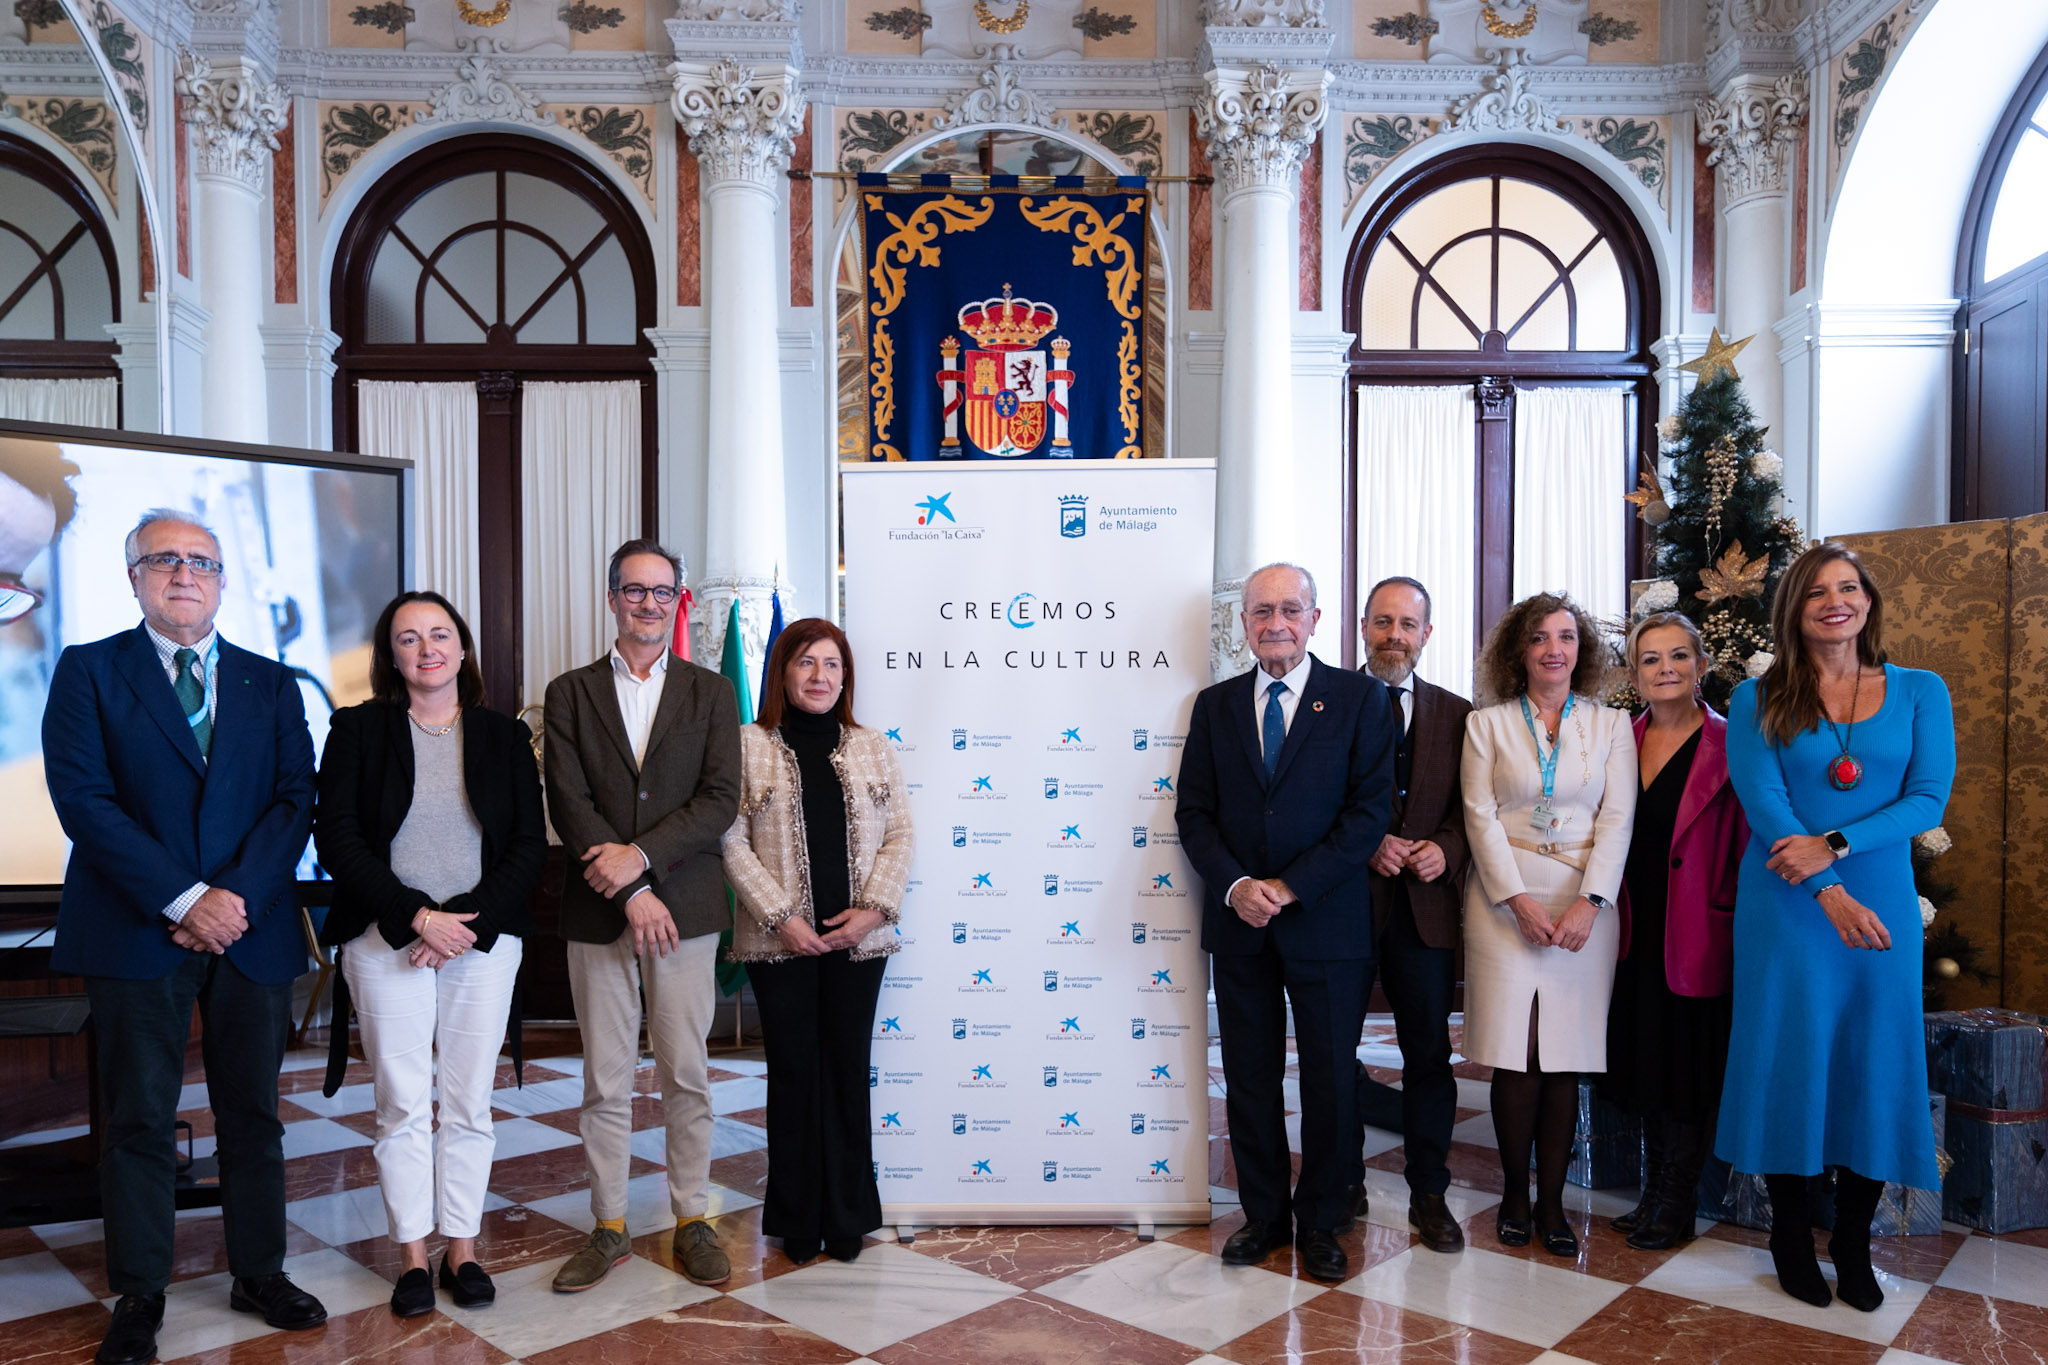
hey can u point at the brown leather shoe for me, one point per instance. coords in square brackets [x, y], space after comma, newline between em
[1431, 1218]
[698, 1254]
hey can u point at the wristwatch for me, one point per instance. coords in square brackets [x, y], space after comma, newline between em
[1598, 902]
[1837, 845]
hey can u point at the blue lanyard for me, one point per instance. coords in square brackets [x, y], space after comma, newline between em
[1547, 764]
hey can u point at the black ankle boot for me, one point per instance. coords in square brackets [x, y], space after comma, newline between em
[1856, 1199]
[1671, 1222]
[1792, 1241]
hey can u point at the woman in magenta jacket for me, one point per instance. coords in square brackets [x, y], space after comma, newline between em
[1668, 1024]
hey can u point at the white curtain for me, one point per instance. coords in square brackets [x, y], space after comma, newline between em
[579, 463]
[70, 402]
[1571, 470]
[1417, 513]
[434, 426]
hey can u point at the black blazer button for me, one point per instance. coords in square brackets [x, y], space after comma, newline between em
[1678, 862]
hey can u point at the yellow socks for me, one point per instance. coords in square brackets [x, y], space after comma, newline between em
[612, 1224]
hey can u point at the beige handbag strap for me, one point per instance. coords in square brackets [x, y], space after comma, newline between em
[1573, 855]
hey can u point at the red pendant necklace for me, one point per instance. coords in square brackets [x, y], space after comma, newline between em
[1844, 772]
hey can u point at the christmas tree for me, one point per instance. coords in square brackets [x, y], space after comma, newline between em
[1721, 538]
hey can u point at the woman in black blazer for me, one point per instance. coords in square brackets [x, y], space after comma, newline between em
[430, 823]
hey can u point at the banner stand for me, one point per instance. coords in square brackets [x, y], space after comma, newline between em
[1030, 635]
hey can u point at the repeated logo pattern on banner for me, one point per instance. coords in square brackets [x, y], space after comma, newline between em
[1031, 638]
[1002, 322]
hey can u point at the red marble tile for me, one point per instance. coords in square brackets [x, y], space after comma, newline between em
[754, 1257]
[368, 1334]
[1031, 1330]
[1603, 1252]
[69, 1336]
[2033, 1237]
[1346, 1327]
[1644, 1325]
[201, 1118]
[746, 1172]
[200, 1249]
[757, 1117]
[1024, 1256]
[366, 1124]
[504, 1079]
[509, 1238]
[1366, 1245]
[714, 1332]
[1911, 1258]
[1219, 1117]
[1471, 1165]
[19, 1242]
[312, 1078]
[329, 1173]
[1463, 1113]
[542, 1175]
[1952, 1325]
[717, 1074]
[1472, 1071]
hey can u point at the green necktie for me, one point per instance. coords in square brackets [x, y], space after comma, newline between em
[191, 690]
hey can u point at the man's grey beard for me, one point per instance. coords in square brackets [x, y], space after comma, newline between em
[1390, 668]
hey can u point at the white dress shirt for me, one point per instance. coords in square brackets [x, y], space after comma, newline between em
[639, 699]
[1406, 696]
[167, 655]
[1296, 679]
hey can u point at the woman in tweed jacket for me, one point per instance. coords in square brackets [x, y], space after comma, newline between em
[819, 857]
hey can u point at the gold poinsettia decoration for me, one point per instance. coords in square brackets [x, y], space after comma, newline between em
[1647, 491]
[1735, 576]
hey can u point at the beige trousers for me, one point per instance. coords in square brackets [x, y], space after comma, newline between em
[607, 980]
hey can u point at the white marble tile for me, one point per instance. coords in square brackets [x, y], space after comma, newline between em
[888, 1294]
[1558, 1358]
[567, 1066]
[1741, 1277]
[728, 1138]
[197, 1317]
[541, 1097]
[523, 1137]
[529, 1317]
[648, 1208]
[342, 1217]
[1510, 1297]
[314, 1136]
[350, 1099]
[71, 1234]
[1475, 1094]
[1477, 1130]
[1182, 1293]
[1895, 1357]
[2004, 1270]
[1222, 1200]
[41, 1136]
[1387, 1199]
[732, 1097]
[304, 1059]
[37, 1283]
[741, 1066]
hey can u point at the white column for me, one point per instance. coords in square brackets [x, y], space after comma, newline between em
[1753, 129]
[234, 116]
[742, 121]
[1259, 124]
[138, 357]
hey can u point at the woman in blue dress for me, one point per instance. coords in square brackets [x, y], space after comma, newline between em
[1839, 759]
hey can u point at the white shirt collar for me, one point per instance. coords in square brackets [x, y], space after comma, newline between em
[1296, 678]
[625, 670]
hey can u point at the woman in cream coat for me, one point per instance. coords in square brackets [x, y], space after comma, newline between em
[819, 857]
[1550, 794]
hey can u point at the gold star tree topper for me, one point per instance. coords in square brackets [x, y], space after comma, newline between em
[1720, 356]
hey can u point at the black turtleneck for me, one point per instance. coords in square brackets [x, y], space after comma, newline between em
[813, 738]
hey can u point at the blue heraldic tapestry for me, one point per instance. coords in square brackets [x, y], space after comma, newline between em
[1005, 322]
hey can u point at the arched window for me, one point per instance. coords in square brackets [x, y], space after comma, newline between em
[58, 281]
[497, 259]
[2001, 447]
[1503, 301]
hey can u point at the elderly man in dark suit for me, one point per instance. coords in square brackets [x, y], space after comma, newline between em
[182, 771]
[1286, 785]
[643, 780]
[1418, 874]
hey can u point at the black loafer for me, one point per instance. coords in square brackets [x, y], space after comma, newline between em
[1356, 1204]
[844, 1248]
[131, 1340]
[413, 1294]
[1431, 1218]
[467, 1284]
[800, 1250]
[283, 1304]
[1512, 1232]
[1320, 1255]
[1254, 1242]
[1560, 1240]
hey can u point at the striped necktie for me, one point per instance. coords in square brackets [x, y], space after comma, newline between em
[191, 690]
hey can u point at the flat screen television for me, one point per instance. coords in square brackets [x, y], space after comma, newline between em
[314, 543]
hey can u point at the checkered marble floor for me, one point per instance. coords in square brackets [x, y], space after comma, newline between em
[1046, 1294]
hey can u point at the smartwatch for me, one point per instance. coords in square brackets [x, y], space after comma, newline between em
[1837, 845]
[1598, 902]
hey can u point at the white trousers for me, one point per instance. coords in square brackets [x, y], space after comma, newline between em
[606, 980]
[404, 1013]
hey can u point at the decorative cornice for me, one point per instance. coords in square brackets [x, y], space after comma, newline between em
[741, 125]
[743, 11]
[237, 28]
[235, 115]
[1751, 129]
[998, 97]
[1258, 125]
[1506, 104]
[1262, 13]
[482, 92]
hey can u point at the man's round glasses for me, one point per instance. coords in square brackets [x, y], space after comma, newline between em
[201, 566]
[636, 594]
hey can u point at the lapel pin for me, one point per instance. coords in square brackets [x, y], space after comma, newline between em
[1317, 706]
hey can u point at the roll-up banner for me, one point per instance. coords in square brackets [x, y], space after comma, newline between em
[1031, 636]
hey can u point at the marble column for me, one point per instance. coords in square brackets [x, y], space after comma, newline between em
[742, 121]
[1754, 128]
[234, 116]
[1258, 124]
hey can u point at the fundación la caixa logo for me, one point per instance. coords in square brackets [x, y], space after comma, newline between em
[935, 520]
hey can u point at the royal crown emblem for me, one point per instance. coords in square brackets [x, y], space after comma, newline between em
[1005, 385]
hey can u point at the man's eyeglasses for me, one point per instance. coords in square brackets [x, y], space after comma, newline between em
[637, 593]
[17, 599]
[201, 566]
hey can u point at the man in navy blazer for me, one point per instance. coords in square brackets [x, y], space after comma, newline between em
[183, 774]
[1286, 788]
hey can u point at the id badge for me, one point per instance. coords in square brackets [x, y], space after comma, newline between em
[1543, 819]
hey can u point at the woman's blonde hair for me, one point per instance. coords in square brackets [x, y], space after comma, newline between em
[1675, 620]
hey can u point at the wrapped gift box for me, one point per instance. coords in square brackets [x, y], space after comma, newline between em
[1993, 1065]
[1607, 1152]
